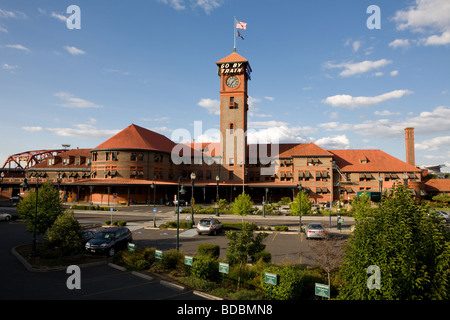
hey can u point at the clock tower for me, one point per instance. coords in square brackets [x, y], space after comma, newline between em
[234, 72]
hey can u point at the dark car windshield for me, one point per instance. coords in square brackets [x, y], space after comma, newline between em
[104, 235]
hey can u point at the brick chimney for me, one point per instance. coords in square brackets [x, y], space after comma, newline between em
[409, 143]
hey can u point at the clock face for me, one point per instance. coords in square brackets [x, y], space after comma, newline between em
[232, 82]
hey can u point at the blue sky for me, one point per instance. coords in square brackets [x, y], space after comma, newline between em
[319, 73]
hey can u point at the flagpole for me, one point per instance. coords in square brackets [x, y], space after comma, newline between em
[234, 34]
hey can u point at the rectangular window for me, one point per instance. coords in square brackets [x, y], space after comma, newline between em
[230, 175]
[133, 156]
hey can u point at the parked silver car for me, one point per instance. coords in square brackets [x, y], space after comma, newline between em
[5, 216]
[315, 231]
[209, 225]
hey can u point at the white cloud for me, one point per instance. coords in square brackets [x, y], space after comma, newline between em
[78, 131]
[435, 122]
[279, 134]
[393, 73]
[385, 113]
[427, 16]
[436, 40]
[74, 102]
[176, 4]
[334, 142]
[355, 68]
[18, 47]
[356, 45]
[3, 29]
[266, 124]
[12, 14]
[206, 5]
[398, 43]
[74, 51]
[59, 17]
[269, 98]
[211, 105]
[435, 144]
[350, 102]
[9, 67]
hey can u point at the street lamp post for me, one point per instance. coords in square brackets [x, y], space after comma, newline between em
[178, 212]
[153, 185]
[192, 198]
[300, 207]
[217, 195]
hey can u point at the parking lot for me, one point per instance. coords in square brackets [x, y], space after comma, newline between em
[286, 246]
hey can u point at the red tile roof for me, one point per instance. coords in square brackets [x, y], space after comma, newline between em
[135, 137]
[377, 161]
[72, 153]
[440, 185]
[234, 57]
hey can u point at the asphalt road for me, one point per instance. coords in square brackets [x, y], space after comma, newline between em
[100, 282]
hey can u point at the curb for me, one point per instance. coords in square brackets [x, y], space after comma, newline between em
[28, 266]
[166, 283]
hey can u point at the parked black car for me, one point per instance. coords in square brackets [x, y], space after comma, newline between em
[108, 241]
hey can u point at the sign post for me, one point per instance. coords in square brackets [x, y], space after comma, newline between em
[158, 255]
[271, 279]
[189, 261]
[322, 290]
[131, 247]
[224, 268]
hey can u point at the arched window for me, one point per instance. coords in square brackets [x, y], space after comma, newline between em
[231, 128]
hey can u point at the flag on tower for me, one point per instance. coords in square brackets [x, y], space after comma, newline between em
[241, 25]
[239, 35]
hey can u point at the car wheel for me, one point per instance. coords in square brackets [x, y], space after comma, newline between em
[7, 218]
[111, 251]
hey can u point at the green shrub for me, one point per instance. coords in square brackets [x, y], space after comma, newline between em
[281, 228]
[264, 255]
[205, 267]
[290, 282]
[208, 249]
[172, 259]
[65, 233]
[122, 223]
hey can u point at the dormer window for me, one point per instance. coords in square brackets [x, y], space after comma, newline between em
[66, 161]
[51, 161]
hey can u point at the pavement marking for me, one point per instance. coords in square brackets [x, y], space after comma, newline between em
[189, 233]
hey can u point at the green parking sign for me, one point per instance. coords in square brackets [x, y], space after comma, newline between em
[224, 267]
[322, 290]
[188, 260]
[271, 278]
[158, 254]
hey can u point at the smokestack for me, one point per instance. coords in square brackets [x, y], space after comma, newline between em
[409, 143]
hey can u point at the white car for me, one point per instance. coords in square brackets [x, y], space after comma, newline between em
[5, 216]
[315, 231]
[443, 214]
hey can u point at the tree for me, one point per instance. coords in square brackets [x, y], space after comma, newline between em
[65, 234]
[407, 245]
[242, 205]
[49, 207]
[327, 253]
[243, 245]
[306, 204]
